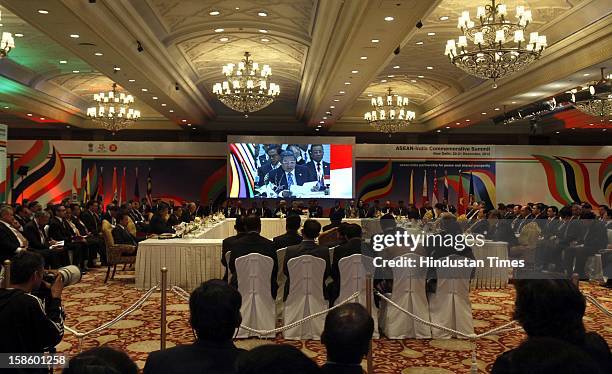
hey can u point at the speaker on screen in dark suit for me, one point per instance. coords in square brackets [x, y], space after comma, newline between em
[290, 174]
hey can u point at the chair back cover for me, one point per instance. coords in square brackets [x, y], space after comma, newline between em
[227, 261]
[450, 305]
[305, 297]
[254, 271]
[353, 270]
[410, 293]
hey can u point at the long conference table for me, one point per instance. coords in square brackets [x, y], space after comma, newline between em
[191, 261]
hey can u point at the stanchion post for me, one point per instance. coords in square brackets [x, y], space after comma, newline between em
[6, 283]
[369, 293]
[164, 296]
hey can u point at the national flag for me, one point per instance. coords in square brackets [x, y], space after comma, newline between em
[471, 190]
[75, 187]
[149, 188]
[434, 195]
[114, 185]
[87, 186]
[123, 193]
[100, 191]
[446, 186]
[411, 198]
[425, 189]
[136, 188]
[460, 197]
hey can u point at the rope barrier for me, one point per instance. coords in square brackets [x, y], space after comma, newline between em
[122, 315]
[183, 294]
[598, 305]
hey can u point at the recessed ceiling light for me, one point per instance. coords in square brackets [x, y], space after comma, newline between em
[347, 83]
[364, 57]
[336, 100]
[438, 130]
[430, 68]
[144, 89]
[573, 128]
[183, 120]
[389, 18]
[354, 71]
[214, 12]
[448, 127]
[514, 102]
[375, 40]
[265, 40]
[496, 108]
[219, 30]
[224, 39]
[171, 111]
[341, 92]
[556, 132]
[63, 62]
[6, 107]
[431, 33]
[19, 35]
[74, 36]
[193, 128]
[586, 74]
[413, 80]
[67, 126]
[262, 14]
[484, 113]
[318, 126]
[42, 118]
[590, 124]
[420, 76]
[131, 80]
[391, 76]
[76, 71]
[163, 104]
[29, 114]
[43, 11]
[154, 98]
[443, 18]
[324, 117]
[467, 120]
[237, 8]
[457, 123]
[332, 107]
[396, 67]
[420, 42]
[321, 121]
[98, 54]
[263, 31]
[116, 68]
[189, 124]
[383, 81]
[369, 95]
[604, 129]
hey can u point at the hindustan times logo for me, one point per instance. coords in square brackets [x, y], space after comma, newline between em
[412, 241]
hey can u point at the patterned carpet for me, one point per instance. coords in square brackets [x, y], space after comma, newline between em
[92, 303]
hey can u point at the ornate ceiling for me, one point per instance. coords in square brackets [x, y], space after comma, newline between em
[316, 49]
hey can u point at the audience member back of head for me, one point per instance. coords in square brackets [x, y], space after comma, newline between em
[101, 360]
[275, 359]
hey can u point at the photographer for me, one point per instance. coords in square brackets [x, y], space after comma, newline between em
[29, 324]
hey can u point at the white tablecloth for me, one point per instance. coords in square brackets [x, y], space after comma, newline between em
[490, 277]
[191, 261]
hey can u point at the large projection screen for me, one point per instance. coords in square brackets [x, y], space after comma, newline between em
[300, 167]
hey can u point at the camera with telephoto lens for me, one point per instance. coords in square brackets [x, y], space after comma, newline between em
[70, 274]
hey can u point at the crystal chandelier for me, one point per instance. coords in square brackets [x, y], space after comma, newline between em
[389, 115]
[599, 100]
[246, 89]
[113, 110]
[6, 43]
[493, 58]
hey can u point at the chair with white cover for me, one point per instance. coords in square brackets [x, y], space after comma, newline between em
[258, 310]
[353, 270]
[281, 278]
[305, 297]
[450, 305]
[409, 293]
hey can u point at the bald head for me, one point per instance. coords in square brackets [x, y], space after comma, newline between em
[347, 333]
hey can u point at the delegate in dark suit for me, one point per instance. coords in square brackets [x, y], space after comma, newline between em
[159, 226]
[312, 166]
[502, 232]
[8, 243]
[60, 230]
[306, 247]
[227, 246]
[122, 236]
[91, 221]
[301, 175]
[287, 239]
[38, 241]
[254, 243]
[199, 357]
